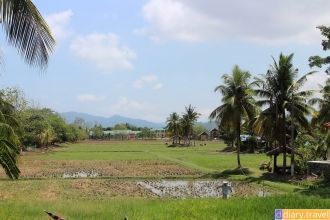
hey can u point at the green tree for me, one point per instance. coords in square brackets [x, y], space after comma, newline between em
[237, 98]
[8, 139]
[281, 94]
[26, 30]
[97, 132]
[317, 60]
[321, 117]
[16, 98]
[187, 123]
[35, 126]
[173, 126]
[121, 126]
[146, 133]
[58, 124]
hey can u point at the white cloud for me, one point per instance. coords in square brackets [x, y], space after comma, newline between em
[89, 98]
[205, 113]
[148, 80]
[136, 109]
[157, 86]
[126, 105]
[59, 23]
[103, 50]
[278, 21]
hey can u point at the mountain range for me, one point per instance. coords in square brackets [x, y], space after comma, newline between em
[91, 120]
[109, 121]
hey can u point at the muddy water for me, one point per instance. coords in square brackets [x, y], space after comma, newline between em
[197, 188]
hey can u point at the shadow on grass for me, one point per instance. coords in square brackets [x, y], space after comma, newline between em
[304, 187]
[321, 189]
[228, 149]
[230, 172]
[180, 145]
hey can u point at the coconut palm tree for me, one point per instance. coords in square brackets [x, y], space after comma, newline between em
[321, 117]
[26, 30]
[8, 139]
[238, 103]
[173, 126]
[187, 122]
[280, 93]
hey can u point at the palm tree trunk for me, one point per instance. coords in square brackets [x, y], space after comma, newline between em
[238, 140]
[283, 142]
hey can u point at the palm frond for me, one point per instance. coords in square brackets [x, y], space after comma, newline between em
[27, 30]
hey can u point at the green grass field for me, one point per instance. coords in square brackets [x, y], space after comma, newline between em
[115, 194]
[204, 158]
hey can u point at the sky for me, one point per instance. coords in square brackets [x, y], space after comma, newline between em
[147, 58]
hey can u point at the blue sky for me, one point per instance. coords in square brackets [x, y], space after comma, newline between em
[146, 59]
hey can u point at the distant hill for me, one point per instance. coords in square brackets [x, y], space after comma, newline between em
[91, 120]
[109, 121]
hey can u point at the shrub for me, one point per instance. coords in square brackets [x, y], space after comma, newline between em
[326, 174]
[306, 154]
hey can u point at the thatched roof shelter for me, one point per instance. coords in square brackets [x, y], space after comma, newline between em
[277, 151]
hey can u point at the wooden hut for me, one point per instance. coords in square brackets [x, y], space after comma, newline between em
[276, 152]
[204, 136]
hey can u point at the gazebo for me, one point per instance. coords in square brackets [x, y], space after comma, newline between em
[276, 152]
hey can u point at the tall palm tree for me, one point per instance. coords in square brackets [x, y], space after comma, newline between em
[188, 120]
[173, 126]
[238, 103]
[280, 93]
[26, 30]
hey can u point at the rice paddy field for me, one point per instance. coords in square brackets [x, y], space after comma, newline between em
[102, 180]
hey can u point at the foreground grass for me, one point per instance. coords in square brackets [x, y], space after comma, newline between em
[247, 208]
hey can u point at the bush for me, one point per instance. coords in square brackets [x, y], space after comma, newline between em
[306, 154]
[326, 174]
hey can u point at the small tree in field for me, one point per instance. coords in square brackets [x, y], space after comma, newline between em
[173, 126]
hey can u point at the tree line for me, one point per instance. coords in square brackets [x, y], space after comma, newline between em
[98, 131]
[273, 106]
[276, 107]
[22, 125]
[181, 127]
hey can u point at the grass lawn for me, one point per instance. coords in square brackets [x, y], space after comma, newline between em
[115, 194]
